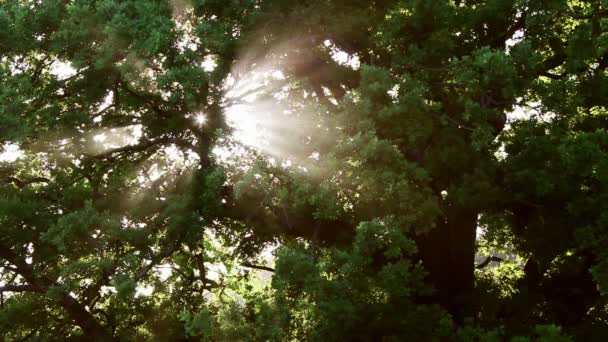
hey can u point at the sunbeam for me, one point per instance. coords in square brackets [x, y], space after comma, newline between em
[263, 118]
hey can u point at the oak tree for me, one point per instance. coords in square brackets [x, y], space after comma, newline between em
[318, 170]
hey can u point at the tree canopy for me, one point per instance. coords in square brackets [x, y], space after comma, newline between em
[314, 170]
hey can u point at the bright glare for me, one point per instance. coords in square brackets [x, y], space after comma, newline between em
[209, 64]
[144, 290]
[243, 119]
[200, 119]
[10, 153]
[62, 70]
[164, 271]
[342, 57]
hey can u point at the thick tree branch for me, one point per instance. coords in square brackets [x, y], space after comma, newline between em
[75, 310]
[20, 183]
[133, 148]
[489, 260]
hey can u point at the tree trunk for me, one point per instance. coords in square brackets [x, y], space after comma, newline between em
[448, 254]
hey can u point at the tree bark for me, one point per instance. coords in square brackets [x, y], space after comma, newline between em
[448, 254]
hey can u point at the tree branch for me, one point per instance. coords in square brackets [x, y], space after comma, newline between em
[212, 284]
[156, 260]
[550, 75]
[100, 112]
[258, 267]
[488, 260]
[75, 310]
[133, 148]
[22, 183]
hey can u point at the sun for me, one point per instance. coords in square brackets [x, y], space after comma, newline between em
[200, 119]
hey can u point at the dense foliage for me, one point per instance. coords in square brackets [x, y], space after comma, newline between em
[401, 139]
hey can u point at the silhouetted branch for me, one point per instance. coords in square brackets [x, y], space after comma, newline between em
[156, 260]
[258, 267]
[551, 76]
[488, 260]
[212, 284]
[103, 110]
[133, 148]
[20, 183]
